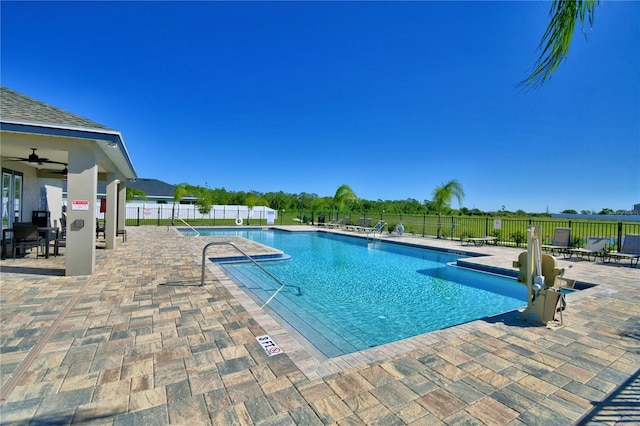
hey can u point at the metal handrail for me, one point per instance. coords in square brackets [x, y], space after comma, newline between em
[229, 243]
[194, 229]
[377, 231]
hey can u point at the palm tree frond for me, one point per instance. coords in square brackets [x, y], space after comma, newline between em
[344, 194]
[557, 37]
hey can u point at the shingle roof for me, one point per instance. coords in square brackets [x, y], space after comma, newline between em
[152, 187]
[15, 106]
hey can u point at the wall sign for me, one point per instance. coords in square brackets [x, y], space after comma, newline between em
[80, 205]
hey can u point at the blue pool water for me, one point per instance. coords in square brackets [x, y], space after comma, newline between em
[355, 294]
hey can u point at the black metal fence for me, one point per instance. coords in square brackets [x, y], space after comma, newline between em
[509, 231]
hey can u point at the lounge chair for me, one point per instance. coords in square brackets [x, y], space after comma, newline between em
[367, 224]
[595, 247]
[355, 227]
[342, 223]
[561, 239]
[26, 236]
[630, 250]
[336, 223]
[479, 241]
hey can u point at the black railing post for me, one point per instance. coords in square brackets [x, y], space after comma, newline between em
[424, 224]
[619, 244]
[158, 216]
[453, 226]
[486, 226]
[138, 218]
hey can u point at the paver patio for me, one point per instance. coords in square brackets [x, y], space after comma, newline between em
[141, 342]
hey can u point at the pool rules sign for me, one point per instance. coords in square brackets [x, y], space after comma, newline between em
[269, 346]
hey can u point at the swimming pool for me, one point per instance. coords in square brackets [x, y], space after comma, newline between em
[355, 294]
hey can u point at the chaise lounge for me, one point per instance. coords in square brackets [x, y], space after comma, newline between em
[479, 242]
[356, 226]
[630, 250]
[595, 247]
[560, 242]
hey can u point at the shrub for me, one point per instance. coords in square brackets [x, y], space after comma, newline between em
[576, 242]
[518, 237]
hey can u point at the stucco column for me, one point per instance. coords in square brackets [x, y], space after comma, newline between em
[111, 214]
[122, 204]
[82, 184]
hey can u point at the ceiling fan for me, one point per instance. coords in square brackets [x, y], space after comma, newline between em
[63, 172]
[35, 158]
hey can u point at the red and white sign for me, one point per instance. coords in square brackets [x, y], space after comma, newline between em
[80, 205]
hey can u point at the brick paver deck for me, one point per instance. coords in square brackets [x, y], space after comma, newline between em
[141, 342]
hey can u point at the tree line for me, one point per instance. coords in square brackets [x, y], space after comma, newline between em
[345, 199]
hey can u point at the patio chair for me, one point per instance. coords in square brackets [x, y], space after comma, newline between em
[561, 239]
[341, 223]
[26, 236]
[630, 250]
[356, 226]
[595, 247]
[367, 224]
[63, 226]
[99, 229]
[479, 242]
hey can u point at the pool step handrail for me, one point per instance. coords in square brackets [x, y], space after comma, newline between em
[192, 228]
[375, 231]
[252, 260]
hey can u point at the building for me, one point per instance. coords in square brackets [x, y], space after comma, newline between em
[43, 146]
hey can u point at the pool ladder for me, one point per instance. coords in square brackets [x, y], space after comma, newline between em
[252, 260]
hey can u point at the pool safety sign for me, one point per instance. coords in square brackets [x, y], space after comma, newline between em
[80, 205]
[269, 346]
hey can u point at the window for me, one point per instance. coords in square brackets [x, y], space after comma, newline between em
[11, 197]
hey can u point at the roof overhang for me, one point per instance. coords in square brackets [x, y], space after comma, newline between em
[110, 141]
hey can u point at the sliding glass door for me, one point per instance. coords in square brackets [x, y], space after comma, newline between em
[11, 197]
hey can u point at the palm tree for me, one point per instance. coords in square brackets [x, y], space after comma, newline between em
[442, 196]
[344, 194]
[557, 38]
[132, 194]
[251, 201]
[178, 193]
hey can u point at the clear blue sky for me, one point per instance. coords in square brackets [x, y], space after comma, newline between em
[392, 99]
